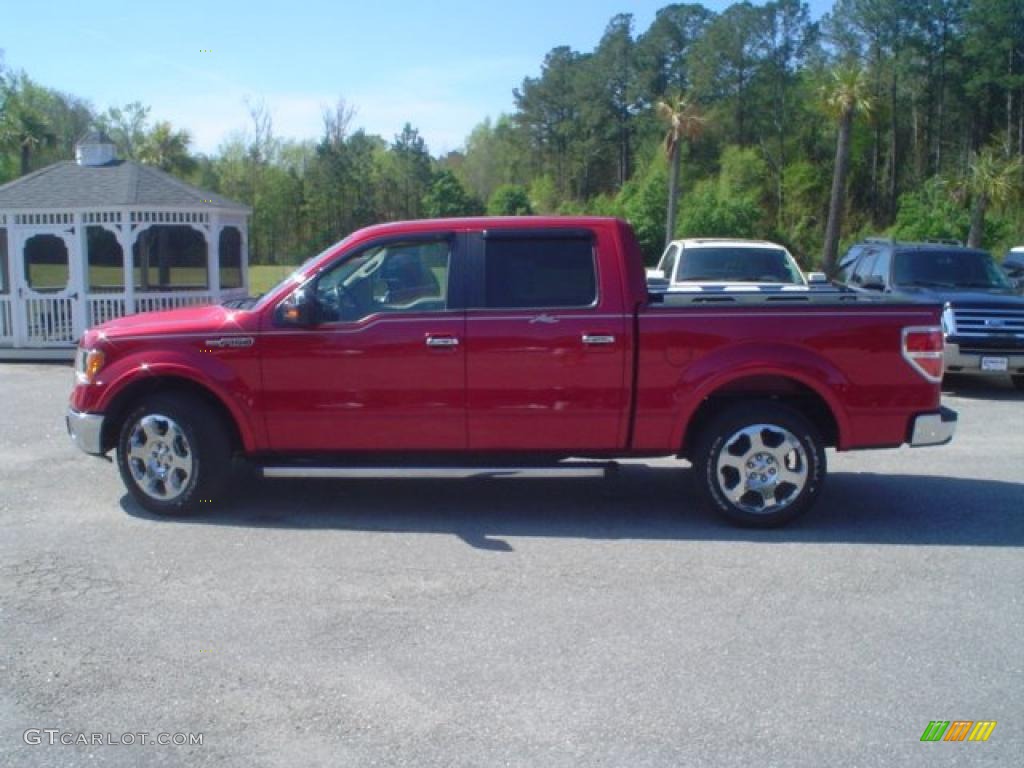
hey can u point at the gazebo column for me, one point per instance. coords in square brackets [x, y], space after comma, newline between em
[126, 238]
[244, 232]
[78, 267]
[16, 273]
[213, 257]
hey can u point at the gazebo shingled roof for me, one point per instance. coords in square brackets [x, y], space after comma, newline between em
[121, 183]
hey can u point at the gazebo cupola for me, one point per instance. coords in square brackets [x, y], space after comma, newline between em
[86, 241]
[95, 148]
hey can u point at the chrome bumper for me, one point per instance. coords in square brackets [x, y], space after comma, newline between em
[970, 362]
[933, 428]
[86, 430]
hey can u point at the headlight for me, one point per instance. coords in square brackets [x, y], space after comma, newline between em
[88, 363]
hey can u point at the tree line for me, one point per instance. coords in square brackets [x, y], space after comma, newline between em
[898, 117]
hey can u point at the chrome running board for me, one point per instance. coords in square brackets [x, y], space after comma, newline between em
[593, 469]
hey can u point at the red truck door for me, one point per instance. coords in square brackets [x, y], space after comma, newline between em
[546, 344]
[384, 369]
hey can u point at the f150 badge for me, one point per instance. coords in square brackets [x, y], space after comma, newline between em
[229, 341]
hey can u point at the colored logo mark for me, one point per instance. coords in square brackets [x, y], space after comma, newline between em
[958, 730]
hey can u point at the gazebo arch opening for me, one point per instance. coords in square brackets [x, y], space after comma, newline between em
[230, 248]
[106, 260]
[47, 263]
[168, 257]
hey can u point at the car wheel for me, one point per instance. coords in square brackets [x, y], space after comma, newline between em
[760, 464]
[173, 454]
[1018, 382]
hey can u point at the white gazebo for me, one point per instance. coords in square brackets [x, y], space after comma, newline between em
[87, 241]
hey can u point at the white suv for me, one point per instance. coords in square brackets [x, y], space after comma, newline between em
[716, 264]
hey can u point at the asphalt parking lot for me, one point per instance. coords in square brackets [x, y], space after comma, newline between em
[574, 622]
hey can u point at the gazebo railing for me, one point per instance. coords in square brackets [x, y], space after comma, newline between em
[101, 307]
[51, 319]
[154, 302]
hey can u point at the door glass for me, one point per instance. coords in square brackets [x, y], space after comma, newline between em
[534, 273]
[46, 263]
[398, 277]
[669, 267]
[865, 264]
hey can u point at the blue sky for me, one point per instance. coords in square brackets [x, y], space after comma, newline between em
[443, 65]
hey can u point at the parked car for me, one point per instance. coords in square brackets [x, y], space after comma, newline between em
[502, 344]
[983, 319]
[1013, 266]
[712, 264]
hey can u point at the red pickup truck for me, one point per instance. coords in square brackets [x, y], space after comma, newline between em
[460, 346]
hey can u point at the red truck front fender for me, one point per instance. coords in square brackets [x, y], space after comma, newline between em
[146, 370]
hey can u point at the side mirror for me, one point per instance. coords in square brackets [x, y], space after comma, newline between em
[655, 274]
[817, 277]
[299, 310]
[873, 283]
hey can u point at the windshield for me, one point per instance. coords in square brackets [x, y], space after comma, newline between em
[732, 264]
[294, 277]
[948, 269]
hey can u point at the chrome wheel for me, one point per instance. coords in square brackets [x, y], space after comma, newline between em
[159, 457]
[762, 468]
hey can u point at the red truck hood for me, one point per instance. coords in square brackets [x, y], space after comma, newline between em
[187, 320]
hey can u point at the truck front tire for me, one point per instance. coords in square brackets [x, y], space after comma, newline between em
[173, 454]
[760, 464]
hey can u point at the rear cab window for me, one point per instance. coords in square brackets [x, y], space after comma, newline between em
[537, 271]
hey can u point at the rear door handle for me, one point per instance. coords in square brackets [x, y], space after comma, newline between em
[597, 339]
[442, 341]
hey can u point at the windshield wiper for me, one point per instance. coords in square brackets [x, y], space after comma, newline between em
[247, 303]
[928, 284]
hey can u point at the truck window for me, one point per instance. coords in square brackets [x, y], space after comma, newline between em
[737, 264]
[534, 273]
[397, 277]
[668, 264]
[865, 266]
[948, 269]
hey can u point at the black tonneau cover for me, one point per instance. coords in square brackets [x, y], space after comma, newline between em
[811, 297]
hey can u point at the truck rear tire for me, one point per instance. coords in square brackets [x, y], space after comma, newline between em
[760, 464]
[174, 454]
[1018, 382]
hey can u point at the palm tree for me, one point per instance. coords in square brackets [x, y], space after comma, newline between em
[167, 149]
[843, 96]
[991, 180]
[23, 127]
[685, 121]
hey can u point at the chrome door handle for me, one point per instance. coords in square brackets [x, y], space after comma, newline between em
[597, 339]
[442, 341]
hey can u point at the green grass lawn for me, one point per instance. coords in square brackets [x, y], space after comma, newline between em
[263, 277]
[55, 277]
